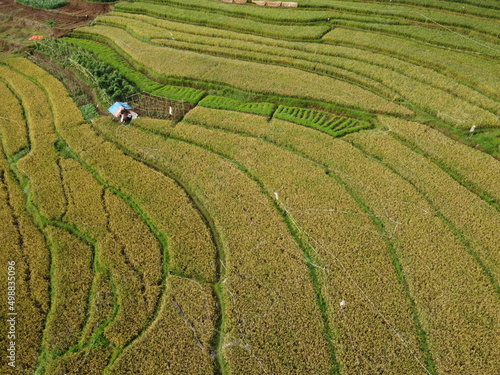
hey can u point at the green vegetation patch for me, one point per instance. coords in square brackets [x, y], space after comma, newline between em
[109, 56]
[43, 4]
[334, 125]
[109, 80]
[89, 112]
[220, 102]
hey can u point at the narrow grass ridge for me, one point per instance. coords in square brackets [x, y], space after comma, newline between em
[224, 158]
[424, 347]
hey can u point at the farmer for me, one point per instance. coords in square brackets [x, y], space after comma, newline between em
[125, 116]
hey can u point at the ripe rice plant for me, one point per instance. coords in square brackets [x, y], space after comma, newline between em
[326, 122]
[458, 111]
[366, 68]
[85, 204]
[251, 257]
[427, 247]
[25, 254]
[190, 249]
[134, 259]
[486, 8]
[71, 277]
[474, 168]
[422, 14]
[438, 37]
[297, 31]
[476, 71]
[180, 339]
[219, 102]
[249, 76]
[110, 258]
[12, 124]
[473, 220]
[41, 164]
[233, 121]
[305, 191]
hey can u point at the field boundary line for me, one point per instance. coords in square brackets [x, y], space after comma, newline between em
[307, 256]
[462, 78]
[430, 366]
[449, 171]
[269, 60]
[462, 238]
[206, 218]
[160, 237]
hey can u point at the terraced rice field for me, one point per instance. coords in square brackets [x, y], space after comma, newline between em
[319, 211]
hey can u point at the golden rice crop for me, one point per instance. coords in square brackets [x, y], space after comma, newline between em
[41, 164]
[457, 110]
[423, 11]
[129, 253]
[180, 339]
[261, 310]
[234, 46]
[125, 233]
[87, 362]
[318, 204]
[12, 123]
[478, 72]
[247, 75]
[134, 258]
[473, 167]
[71, 279]
[242, 24]
[477, 220]
[107, 219]
[24, 254]
[64, 109]
[421, 32]
[190, 248]
[454, 284]
[136, 275]
[444, 280]
[85, 203]
[333, 58]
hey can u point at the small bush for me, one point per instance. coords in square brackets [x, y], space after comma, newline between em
[43, 4]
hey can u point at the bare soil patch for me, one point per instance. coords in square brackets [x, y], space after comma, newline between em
[57, 22]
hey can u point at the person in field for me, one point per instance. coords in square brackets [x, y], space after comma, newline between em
[125, 116]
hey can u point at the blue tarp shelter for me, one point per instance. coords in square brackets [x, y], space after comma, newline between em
[116, 108]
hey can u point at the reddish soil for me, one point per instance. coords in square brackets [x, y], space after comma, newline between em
[76, 13]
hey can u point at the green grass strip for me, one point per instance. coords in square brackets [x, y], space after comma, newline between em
[334, 126]
[142, 81]
[424, 346]
[220, 102]
[217, 340]
[310, 260]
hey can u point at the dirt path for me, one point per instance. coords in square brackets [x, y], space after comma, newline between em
[61, 20]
